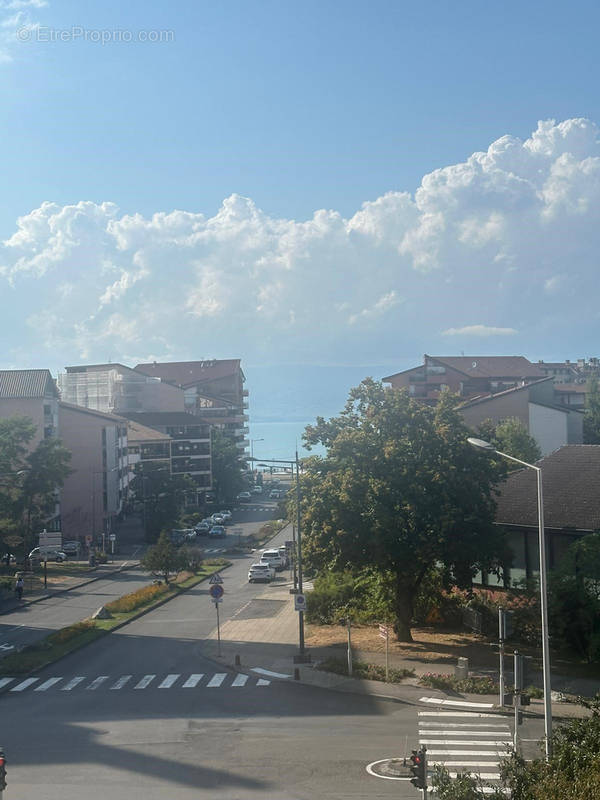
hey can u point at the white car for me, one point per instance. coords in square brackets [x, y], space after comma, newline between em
[260, 572]
[273, 558]
[226, 515]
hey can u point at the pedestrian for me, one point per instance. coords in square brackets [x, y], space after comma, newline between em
[19, 586]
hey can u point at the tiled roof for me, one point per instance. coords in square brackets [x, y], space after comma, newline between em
[136, 432]
[571, 488]
[187, 373]
[492, 366]
[15, 383]
[115, 418]
[484, 398]
[579, 388]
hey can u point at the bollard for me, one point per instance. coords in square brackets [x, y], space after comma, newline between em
[296, 674]
[237, 661]
[461, 670]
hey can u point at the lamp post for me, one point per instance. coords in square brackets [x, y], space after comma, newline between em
[483, 445]
[301, 658]
[252, 453]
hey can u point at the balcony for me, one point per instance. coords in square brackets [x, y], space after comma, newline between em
[244, 392]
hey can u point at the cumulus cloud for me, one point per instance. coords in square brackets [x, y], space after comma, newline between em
[511, 233]
[480, 330]
[16, 24]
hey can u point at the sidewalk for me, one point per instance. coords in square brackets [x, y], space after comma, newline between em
[66, 583]
[263, 636]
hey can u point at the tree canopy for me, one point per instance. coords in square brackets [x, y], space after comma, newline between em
[512, 437]
[227, 467]
[29, 478]
[162, 495]
[400, 491]
[591, 419]
[163, 559]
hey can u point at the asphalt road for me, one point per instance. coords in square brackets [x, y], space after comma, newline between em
[145, 713]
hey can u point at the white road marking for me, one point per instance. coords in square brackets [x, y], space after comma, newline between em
[434, 762]
[146, 681]
[269, 673]
[193, 680]
[47, 684]
[471, 742]
[498, 752]
[73, 683]
[484, 776]
[469, 714]
[5, 681]
[121, 682]
[465, 733]
[372, 772]
[240, 680]
[216, 680]
[97, 682]
[7, 647]
[464, 725]
[20, 687]
[262, 682]
[443, 702]
[168, 681]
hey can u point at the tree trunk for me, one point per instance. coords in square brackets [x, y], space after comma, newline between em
[403, 610]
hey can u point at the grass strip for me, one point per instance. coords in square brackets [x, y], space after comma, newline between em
[72, 637]
[361, 669]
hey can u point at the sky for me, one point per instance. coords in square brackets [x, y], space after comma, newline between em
[325, 184]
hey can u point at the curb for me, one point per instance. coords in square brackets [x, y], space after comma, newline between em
[57, 592]
[117, 627]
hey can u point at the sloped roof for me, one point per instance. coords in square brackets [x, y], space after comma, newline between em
[187, 373]
[579, 388]
[163, 419]
[15, 383]
[492, 366]
[115, 418]
[136, 432]
[571, 488]
[485, 398]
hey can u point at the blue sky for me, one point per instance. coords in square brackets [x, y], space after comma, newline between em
[250, 119]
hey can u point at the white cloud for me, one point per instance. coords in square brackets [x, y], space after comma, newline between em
[17, 25]
[480, 330]
[512, 234]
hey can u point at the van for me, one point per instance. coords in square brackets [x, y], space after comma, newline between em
[47, 553]
[273, 558]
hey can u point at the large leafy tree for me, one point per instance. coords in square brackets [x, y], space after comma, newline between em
[163, 559]
[29, 479]
[227, 467]
[512, 437]
[400, 491]
[162, 496]
[591, 419]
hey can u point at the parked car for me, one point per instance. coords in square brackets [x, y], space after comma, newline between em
[244, 497]
[284, 555]
[47, 554]
[227, 515]
[217, 519]
[179, 535]
[273, 558]
[71, 548]
[274, 494]
[260, 572]
[217, 531]
[264, 563]
[202, 528]
[257, 490]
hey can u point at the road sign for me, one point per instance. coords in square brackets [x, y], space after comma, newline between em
[300, 602]
[215, 579]
[216, 591]
[383, 631]
[112, 537]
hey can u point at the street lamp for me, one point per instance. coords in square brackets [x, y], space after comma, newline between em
[483, 445]
[252, 453]
[301, 658]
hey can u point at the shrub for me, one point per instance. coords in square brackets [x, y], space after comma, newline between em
[133, 600]
[361, 669]
[70, 632]
[470, 685]
[329, 600]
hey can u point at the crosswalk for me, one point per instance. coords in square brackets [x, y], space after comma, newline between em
[115, 683]
[466, 741]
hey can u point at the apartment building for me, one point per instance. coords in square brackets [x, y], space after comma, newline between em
[466, 376]
[213, 390]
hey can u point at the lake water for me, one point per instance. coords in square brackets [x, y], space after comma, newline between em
[280, 440]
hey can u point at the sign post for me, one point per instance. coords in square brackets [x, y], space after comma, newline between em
[501, 637]
[384, 633]
[216, 592]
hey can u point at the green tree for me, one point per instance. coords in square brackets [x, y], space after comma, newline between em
[29, 479]
[512, 437]
[591, 419]
[162, 495]
[163, 559]
[574, 598]
[227, 467]
[399, 491]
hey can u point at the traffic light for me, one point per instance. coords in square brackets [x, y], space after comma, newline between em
[418, 769]
[2, 771]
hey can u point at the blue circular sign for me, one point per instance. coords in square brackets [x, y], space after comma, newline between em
[216, 591]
